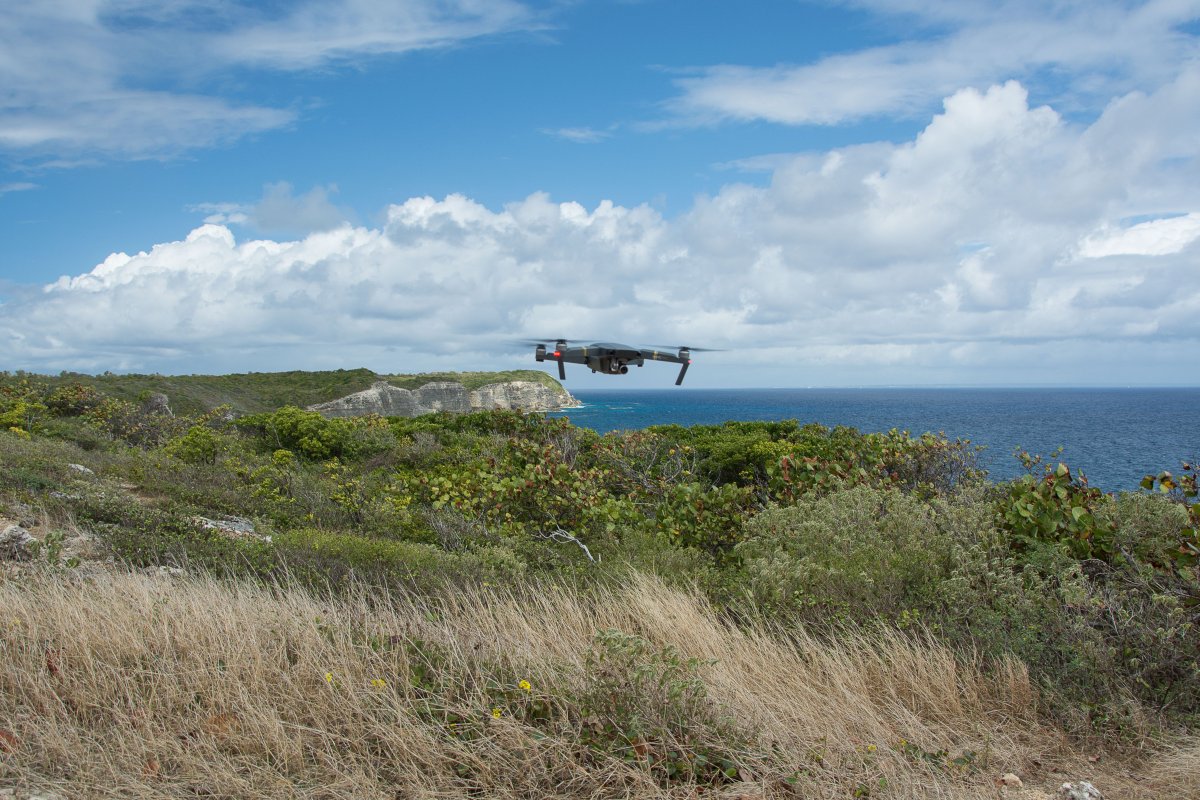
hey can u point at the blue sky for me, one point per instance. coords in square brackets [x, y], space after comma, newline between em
[835, 193]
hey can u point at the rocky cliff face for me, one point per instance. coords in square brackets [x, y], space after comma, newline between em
[390, 401]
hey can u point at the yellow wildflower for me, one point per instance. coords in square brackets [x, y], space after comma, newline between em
[378, 683]
[329, 677]
[526, 686]
[496, 713]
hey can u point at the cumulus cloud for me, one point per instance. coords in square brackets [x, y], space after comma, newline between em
[1078, 54]
[118, 78]
[995, 245]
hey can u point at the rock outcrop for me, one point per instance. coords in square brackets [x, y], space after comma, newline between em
[525, 395]
[391, 401]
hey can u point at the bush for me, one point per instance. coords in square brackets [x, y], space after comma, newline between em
[73, 400]
[1185, 490]
[851, 556]
[22, 409]
[317, 438]
[1053, 505]
[133, 424]
[200, 445]
[1108, 641]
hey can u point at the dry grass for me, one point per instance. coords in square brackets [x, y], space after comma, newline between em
[140, 686]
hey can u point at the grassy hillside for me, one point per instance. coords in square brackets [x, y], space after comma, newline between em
[499, 604]
[254, 392]
[158, 687]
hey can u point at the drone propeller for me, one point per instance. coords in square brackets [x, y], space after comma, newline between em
[556, 355]
[685, 347]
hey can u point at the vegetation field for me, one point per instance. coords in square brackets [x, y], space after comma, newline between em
[275, 604]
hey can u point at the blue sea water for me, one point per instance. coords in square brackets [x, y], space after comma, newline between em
[1116, 436]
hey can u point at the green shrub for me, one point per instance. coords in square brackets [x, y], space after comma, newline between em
[792, 460]
[708, 519]
[317, 438]
[73, 400]
[733, 452]
[130, 423]
[1108, 641]
[1147, 528]
[851, 556]
[1185, 490]
[1055, 506]
[200, 445]
[22, 409]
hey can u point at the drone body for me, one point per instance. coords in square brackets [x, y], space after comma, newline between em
[610, 358]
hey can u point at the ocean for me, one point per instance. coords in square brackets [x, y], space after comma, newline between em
[1116, 436]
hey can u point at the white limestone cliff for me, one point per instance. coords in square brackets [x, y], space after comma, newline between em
[391, 401]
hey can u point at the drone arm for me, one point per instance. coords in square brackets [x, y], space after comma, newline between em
[562, 370]
[659, 355]
[682, 372]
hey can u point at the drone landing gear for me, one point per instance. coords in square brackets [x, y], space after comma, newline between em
[686, 356]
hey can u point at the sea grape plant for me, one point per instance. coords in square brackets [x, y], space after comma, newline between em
[1185, 488]
[1052, 504]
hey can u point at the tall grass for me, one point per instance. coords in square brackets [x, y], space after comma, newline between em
[140, 686]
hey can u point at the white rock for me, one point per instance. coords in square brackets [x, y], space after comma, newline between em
[80, 468]
[1011, 780]
[1079, 791]
[233, 527]
[16, 543]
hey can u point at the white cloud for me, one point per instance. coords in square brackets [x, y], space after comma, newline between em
[1078, 54]
[969, 253]
[579, 135]
[1158, 237]
[308, 34]
[77, 74]
[20, 186]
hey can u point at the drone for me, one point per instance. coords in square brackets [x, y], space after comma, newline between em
[610, 358]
